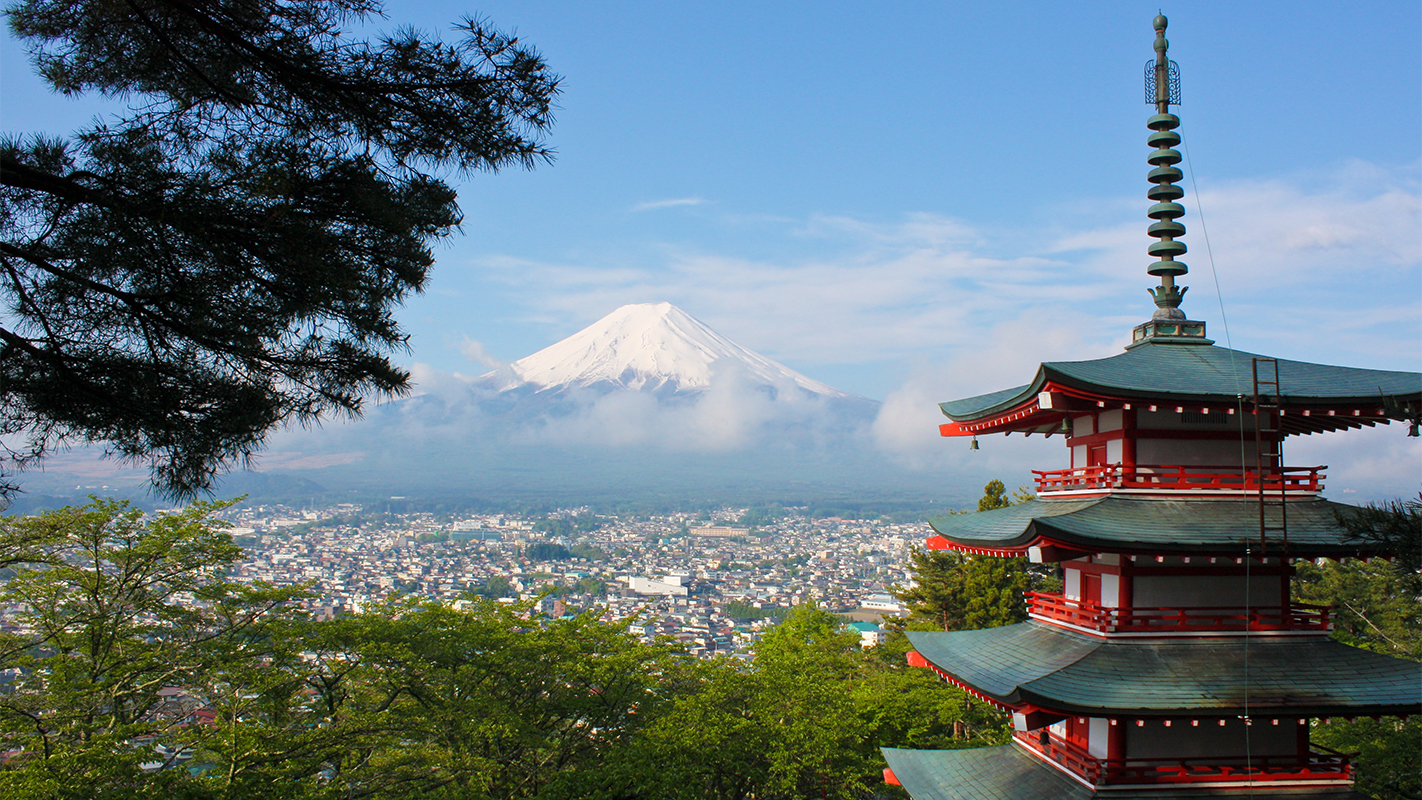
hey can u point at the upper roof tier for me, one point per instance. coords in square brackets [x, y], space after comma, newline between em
[1314, 397]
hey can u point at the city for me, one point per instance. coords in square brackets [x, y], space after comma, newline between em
[711, 582]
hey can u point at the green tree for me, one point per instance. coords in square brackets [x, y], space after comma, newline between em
[787, 727]
[1377, 604]
[955, 591]
[114, 608]
[497, 586]
[906, 706]
[227, 257]
[994, 496]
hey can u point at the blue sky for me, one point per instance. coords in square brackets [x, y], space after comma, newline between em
[919, 201]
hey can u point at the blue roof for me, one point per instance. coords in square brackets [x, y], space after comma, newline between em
[1144, 525]
[1069, 672]
[1196, 373]
[1009, 772]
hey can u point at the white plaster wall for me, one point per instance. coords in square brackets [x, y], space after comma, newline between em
[1210, 740]
[1114, 451]
[1098, 731]
[1078, 456]
[1195, 591]
[1112, 420]
[1071, 580]
[1110, 590]
[1083, 426]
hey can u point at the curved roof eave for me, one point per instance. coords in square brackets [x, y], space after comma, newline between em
[1116, 524]
[1067, 672]
[1206, 374]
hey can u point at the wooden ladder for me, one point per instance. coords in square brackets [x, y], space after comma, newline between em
[1269, 449]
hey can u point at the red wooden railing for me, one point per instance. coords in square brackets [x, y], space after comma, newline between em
[1321, 764]
[1300, 480]
[1211, 619]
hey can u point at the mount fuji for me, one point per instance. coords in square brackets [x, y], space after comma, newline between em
[647, 403]
[649, 347]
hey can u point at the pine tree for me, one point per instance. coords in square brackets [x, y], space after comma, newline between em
[955, 591]
[227, 257]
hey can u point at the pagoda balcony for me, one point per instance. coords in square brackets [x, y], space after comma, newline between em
[1150, 478]
[1321, 765]
[1083, 614]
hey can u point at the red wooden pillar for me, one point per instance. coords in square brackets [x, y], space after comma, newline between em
[1116, 743]
[1128, 439]
[1126, 598]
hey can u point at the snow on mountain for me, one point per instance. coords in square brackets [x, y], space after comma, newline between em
[650, 347]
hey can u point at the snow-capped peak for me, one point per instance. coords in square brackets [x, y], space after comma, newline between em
[648, 346]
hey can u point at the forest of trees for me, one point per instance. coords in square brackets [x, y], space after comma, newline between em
[140, 671]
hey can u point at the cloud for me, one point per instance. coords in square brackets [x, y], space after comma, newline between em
[1336, 250]
[907, 423]
[475, 352]
[652, 205]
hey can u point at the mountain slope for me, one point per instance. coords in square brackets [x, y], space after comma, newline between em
[653, 347]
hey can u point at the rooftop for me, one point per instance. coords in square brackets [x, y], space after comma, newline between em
[1123, 524]
[1192, 376]
[1071, 673]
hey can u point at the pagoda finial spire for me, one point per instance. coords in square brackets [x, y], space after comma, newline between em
[1163, 77]
[1163, 90]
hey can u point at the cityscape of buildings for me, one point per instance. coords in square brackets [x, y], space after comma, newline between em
[707, 581]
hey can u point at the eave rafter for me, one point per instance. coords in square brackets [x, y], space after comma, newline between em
[1044, 413]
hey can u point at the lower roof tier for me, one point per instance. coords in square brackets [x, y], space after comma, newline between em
[1059, 670]
[1009, 772]
[1114, 524]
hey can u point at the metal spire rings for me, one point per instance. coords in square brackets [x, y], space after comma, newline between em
[1163, 89]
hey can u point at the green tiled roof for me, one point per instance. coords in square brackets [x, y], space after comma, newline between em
[1009, 772]
[1114, 523]
[998, 773]
[1072, 673]
[1196, 373]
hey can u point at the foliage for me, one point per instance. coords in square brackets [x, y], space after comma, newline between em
[1377, 604]
[496, 586]
[762, 515]
[114, 607]
[739, 609]
[1394, 528]
[583, 522]
[587, 552]
[144, 673]
[954, 591]
[227, 257]
[806, 719]
[546, 551]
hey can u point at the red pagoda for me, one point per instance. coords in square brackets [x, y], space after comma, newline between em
[1174, 663]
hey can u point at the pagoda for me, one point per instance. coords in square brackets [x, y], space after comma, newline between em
[1175, 662]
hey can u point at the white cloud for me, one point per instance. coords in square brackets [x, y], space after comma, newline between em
[475, 352]
[1338, 251]
[907, 424]
[652, 205]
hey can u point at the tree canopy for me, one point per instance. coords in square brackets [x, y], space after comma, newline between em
[227, 257]
[137, 669]
[954, 591]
